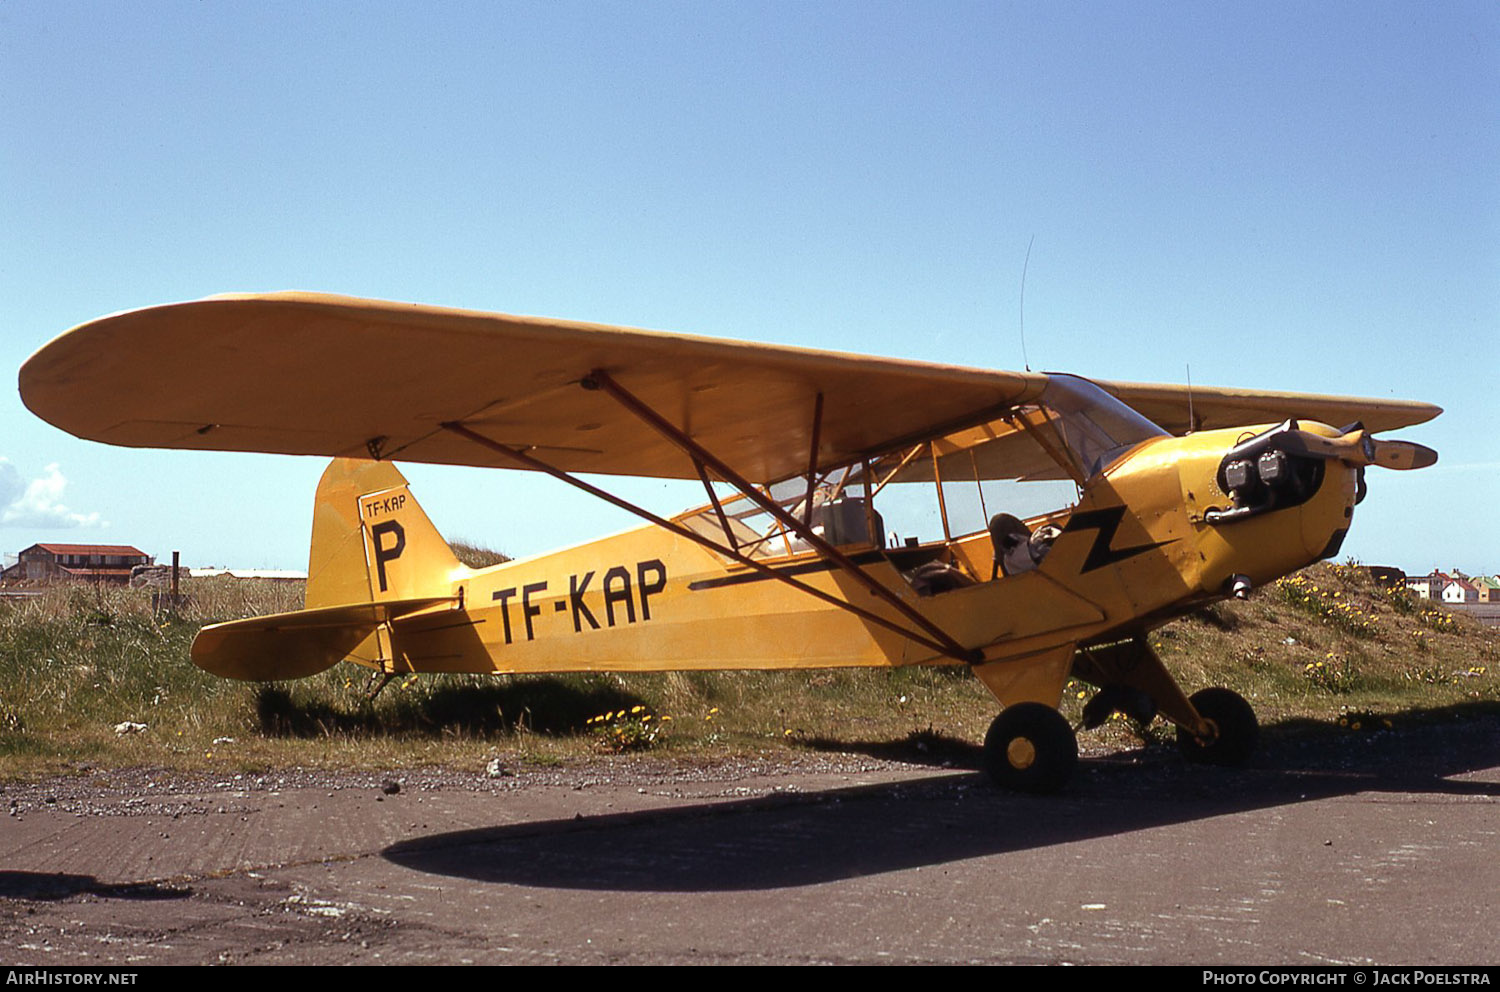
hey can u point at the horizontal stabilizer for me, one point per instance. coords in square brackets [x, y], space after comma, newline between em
[295, 645]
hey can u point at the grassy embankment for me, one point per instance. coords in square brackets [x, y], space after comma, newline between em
[1325, 651]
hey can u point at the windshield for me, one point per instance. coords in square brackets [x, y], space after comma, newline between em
[1095, 426]
[1034, 458]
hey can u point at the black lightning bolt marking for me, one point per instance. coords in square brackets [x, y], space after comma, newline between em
[1106, 521]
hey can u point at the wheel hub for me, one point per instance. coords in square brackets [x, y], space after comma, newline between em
[1021, 753]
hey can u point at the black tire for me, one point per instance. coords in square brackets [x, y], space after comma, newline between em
[1234, 720]
[1030, 748]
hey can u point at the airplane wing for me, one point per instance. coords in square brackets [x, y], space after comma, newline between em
[305, 374]
[309, 374]
[1213, 407]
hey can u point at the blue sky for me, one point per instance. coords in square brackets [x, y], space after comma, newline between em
[1287, 196]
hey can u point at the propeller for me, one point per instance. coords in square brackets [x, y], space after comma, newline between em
[1358, 447]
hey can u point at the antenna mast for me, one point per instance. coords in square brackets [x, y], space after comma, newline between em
[1024, 266]
[1192, 423]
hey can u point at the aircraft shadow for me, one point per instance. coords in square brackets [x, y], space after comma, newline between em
[43, 885]
[801, 839]
[537, 704]
[923, 747]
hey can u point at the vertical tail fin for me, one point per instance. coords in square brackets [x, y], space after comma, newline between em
[371, 541]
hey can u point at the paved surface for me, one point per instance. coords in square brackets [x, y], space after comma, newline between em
[1486, 613]
[1377, 848]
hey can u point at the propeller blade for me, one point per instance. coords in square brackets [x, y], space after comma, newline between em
[1403, 455]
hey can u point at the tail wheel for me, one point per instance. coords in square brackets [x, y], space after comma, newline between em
[1236, 731]
[1030, 748]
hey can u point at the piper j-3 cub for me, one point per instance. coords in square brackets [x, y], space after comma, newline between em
[796, 559]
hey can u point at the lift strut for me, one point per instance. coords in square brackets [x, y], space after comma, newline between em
[601, 380]
[938, 643]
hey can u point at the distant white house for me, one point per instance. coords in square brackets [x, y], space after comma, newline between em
[1460, 591]
[1428, 586]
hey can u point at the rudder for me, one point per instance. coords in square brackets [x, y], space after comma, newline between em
[371, 541]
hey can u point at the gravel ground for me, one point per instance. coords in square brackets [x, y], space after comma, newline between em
[1330, 848]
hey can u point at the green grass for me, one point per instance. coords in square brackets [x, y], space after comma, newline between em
[1323, 650]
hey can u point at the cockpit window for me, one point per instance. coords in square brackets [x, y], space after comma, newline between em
[1094, 425]
[1034, 458]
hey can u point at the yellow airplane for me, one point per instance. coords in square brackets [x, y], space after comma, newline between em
[1170, 501]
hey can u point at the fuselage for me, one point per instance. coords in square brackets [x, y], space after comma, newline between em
[1139, 548]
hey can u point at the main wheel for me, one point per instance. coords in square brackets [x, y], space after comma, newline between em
[1030, 748]
[1235, 726]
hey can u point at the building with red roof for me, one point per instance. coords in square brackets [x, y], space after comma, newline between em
[47, 563]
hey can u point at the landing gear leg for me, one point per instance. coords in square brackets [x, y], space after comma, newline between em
[1232, 729]
[378, 681]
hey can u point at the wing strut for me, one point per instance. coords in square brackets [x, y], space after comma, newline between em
[601, 380]
[946, 646]
[713, 498]
[812, 461]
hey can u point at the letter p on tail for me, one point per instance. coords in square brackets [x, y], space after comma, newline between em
[371, 541]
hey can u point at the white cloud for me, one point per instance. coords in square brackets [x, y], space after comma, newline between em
[11, 486]
[38, 503]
